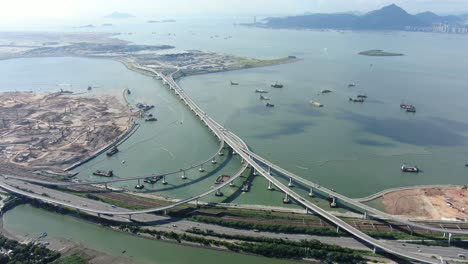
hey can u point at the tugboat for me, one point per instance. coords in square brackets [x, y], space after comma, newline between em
[152, 119]
[139, 186]
[112, 152]
[411, 110]
[352, 85]
[405, 168]
[103, 173]
[233, 83]
[325, 91]
[270, 105]
[264, 98]
[316, 104]
[260, 91]
[277, 85]
[129, 92]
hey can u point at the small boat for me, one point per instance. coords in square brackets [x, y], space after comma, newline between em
[352, 85]
[405, 168]
[89, 88]
[129, 92]
[233, 83]
[264, 98]
[103, 173]
[316, 104]
[356, 100]
[411, 110]
[270, 105]
[139, 186]
[406, 106]
[325, 91]
[112, 152]
[222, 179]
[277, 85]
[152, 119]
[260, 91]
[361, 96]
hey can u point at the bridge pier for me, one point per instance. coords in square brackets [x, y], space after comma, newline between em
[337, 229]
[270, 187]
[374, 250]
[99, 215]
[242, 161]
[183, 175]
[130, 217]
[286, 199]
[365, 215]
[164, 180]
[213, 161]
[105, 186]
[201, 169]
[218, 193]
[269, 171]
[255, 173]
[449, 238]
[290, 184]
[220, 153]
[231, 184]
[311, 192]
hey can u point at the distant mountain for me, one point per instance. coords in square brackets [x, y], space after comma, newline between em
[431, 18]
[118, 15]
[390, 17]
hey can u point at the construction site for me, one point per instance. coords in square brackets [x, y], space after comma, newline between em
[48, 132]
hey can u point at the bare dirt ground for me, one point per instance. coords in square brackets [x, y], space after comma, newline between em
[450, 203]
[44, 131]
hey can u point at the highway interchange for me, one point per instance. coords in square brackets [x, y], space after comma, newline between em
[260, 166]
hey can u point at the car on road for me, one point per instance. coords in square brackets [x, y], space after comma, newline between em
[113, 206]
[174, 225]
[462, 256]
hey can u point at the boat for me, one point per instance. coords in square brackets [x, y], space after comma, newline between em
[222, 179]
[405, 168]
[233, 83]
[277, 85]
[129, 92]
[406, 106]
[325, 91]
[316, 104]
[245, 186]
[89, 88]
[352, 85]
[152, 119]
[264, 98]
[361, 96]
[270, 105]
[260, 91]
[411, 110]
[356, 100]
[139, 186]
[103, 173]
[112, 152]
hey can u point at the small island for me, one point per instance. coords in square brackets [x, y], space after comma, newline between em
[379, 53]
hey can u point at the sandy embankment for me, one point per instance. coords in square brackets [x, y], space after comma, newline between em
[449, 203]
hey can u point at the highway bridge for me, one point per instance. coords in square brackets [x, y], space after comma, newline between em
[262, 167]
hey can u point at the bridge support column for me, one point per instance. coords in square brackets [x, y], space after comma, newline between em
[337, 229]
[269, 171]
[99, 215]
[231, 184]
[183, 175]
[201, 169]
[270, 187]
[286, 199]
[165, 212]
[164, 180]
[130, 217]
[213, 161]
[311, 192]
[255, 172]
[365, 215]
[242, 161]
[290, 184]
[449, 238]
[374, 250]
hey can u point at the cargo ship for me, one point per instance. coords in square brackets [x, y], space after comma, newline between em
[264, 97]
[260, 91]
[352, 85]
[233, 83]
[112, 152]
[152, 119]
[103, 173]
[270, 105]
[356, 100]
[277, 85]
[316, 104]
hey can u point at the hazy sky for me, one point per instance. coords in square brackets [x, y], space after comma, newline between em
[36, 10]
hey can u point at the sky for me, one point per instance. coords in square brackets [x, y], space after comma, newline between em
[17, 11]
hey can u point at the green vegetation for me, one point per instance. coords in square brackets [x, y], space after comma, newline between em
[379, 53]
[268, 247]
[25, 254]
[73, 259]
[320, 231]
